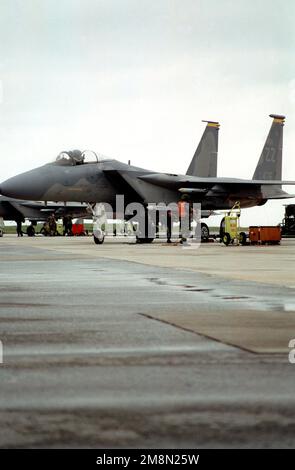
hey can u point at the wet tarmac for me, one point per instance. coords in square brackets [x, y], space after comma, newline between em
[90, 362]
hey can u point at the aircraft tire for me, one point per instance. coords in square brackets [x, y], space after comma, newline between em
[98, 241]
[144, 240]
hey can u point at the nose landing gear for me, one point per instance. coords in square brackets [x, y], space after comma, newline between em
[99, 222]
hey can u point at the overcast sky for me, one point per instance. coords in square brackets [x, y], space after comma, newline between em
[133, 79]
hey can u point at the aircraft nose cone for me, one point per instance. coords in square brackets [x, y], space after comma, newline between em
[10, 188]
[23, 186]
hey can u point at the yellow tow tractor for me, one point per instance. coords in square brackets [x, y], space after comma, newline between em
[230, 231]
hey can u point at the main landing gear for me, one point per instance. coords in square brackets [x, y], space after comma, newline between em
[146, 228]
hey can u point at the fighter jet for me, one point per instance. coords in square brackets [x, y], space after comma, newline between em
[72, 178]
[204, 163]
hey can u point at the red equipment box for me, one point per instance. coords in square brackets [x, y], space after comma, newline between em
[265, 234]
[78, 229]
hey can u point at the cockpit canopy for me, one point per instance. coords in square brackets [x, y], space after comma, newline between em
[76, 157]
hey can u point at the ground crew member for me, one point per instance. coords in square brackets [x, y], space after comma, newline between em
[52, 225]
[169, 226]
[19, 227]
[183, 205]
[67, 223]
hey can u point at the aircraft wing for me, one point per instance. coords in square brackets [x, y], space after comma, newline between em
[132, 185]
[158, 186]
[193, 181]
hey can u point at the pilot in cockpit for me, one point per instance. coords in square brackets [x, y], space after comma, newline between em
[77, 156]
[71, 157]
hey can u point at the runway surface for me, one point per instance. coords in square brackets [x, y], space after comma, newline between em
[124, 345]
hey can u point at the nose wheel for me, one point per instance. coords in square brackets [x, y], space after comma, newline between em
[99, 222]
[98, 238]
